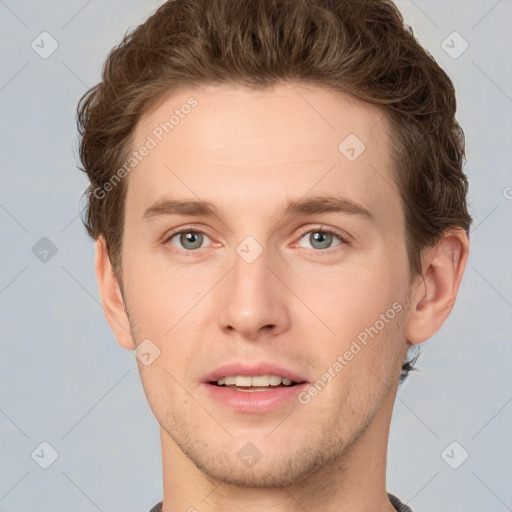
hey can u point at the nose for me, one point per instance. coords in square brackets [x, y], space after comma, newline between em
[253, 301]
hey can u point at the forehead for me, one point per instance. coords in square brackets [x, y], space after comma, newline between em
[309, 114]
[265, 144]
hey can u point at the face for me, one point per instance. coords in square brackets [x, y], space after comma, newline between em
[263, 244]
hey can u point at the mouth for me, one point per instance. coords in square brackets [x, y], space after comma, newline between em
[247, 383]
[253, 387]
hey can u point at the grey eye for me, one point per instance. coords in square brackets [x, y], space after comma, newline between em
[320, 239]
[190, 240]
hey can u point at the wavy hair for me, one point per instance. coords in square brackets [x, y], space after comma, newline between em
[359, 47]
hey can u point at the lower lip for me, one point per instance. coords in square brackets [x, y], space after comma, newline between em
[255, 401]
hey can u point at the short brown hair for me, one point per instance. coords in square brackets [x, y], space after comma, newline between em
[359, 47]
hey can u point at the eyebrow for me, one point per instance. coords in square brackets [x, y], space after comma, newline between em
[307, 206]
[176, 207]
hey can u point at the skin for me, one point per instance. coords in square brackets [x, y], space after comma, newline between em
[248, 152]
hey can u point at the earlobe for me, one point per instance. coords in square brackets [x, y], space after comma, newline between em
[111, 297]
[435, 291]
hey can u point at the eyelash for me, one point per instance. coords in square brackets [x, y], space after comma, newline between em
[321, 229]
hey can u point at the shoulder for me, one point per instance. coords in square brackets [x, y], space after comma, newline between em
[399, 506]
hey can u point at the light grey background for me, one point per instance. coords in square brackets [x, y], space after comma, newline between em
[65, 381]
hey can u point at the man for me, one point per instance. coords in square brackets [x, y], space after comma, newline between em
[280, 216]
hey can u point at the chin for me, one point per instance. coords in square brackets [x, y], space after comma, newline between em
[264, 477]
[278, 469]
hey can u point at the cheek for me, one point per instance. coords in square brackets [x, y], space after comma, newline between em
[350, 299]
[160, 294]
[365, 310]
[363, 307]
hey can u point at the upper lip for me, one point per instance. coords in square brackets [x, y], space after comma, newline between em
[252, 369]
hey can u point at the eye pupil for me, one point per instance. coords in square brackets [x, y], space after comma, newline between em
[319, 237]
[191, 240]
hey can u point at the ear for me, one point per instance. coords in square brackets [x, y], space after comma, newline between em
[111, 297]
[435, 291]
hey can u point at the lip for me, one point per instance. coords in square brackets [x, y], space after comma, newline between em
[251, 370]
[253, 401]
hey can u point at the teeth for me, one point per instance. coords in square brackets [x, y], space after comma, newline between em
[256, 381]
[263, 380]
[275, 381]
[243, 382]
